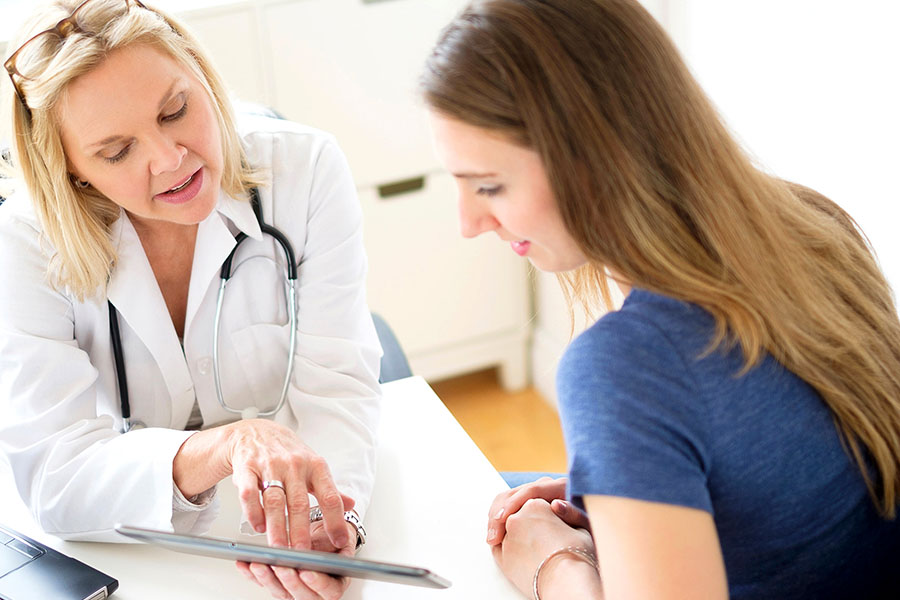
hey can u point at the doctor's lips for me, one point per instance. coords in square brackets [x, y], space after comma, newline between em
[184, 191]
[520, 248]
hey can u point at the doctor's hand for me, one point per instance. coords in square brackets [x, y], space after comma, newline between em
[255, 451]
[291, 584]
[263, 454]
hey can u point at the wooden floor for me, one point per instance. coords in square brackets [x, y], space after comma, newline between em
[517, 432]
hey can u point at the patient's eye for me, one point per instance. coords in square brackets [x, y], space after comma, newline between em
[490, 190]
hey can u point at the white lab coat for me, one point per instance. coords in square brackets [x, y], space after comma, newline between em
[59, 405]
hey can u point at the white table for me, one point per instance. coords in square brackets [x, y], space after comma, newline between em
[429, 509]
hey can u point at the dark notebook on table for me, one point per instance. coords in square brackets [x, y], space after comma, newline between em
[30, 570]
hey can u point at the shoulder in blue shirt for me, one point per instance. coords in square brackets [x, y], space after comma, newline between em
[649, 414]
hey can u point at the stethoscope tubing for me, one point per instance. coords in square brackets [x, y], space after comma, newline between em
[291, 300]
[253, 412]
[121, 378]
[224, 275]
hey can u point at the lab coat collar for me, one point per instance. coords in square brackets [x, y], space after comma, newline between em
[136, 296]
[215, 241]
[240, 213]
[134, 292]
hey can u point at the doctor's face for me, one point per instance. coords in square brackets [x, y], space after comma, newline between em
[504, 188]
[141, 129]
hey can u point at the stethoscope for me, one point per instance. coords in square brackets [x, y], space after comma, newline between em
[290, 290]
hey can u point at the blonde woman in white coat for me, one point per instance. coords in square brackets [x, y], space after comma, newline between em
[135, 181]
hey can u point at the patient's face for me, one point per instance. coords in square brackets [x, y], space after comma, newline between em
[504, 188]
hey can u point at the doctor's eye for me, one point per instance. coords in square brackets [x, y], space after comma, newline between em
[121, 154]
[489, 191]
[177, 114]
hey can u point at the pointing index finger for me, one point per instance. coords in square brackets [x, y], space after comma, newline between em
[330, 502]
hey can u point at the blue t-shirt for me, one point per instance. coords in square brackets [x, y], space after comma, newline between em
[647, 416]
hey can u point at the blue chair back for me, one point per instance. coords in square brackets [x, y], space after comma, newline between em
[393, 363]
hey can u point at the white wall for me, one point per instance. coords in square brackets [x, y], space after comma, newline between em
[812, 88]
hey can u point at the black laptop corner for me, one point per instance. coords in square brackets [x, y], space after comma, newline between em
[30, 570]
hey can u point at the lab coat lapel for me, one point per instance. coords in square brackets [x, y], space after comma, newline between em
[215, 241]
[134, 292]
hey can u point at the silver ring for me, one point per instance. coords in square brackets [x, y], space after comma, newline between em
[269, 483]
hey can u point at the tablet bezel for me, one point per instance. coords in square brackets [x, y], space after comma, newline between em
[309, 560]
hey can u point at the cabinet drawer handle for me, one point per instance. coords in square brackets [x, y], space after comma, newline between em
[405, 186]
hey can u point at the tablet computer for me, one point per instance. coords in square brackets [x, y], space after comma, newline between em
[309, 560]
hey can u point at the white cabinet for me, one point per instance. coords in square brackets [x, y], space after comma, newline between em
[455, 304]
[231, 33]
[351, 68]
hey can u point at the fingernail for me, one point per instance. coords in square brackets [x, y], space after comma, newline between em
[491, 534]
[260, 528]
[499, 514]
[308, 577]
[563, 504]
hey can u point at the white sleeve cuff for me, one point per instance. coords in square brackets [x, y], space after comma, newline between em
[194, 503]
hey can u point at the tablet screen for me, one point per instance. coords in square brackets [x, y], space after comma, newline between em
[308, 560]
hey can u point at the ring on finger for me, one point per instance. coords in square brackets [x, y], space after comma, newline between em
[270, 483]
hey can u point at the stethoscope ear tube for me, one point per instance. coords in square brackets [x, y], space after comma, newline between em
[279, 237]
[225, 273]
[285, 245]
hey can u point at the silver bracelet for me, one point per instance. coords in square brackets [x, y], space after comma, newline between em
[351, 516]
[579, 553]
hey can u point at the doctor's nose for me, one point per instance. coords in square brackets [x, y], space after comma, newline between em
[474, 218]
[166, 155]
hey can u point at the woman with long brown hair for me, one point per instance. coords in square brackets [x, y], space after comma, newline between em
[734, 428]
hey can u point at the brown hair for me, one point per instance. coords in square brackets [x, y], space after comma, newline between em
[652, 186]
[77, 221]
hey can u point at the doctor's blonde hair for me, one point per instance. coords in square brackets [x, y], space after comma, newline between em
[652, 186]
[76, 220]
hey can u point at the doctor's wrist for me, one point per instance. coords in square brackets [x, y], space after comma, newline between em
[201, 462]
